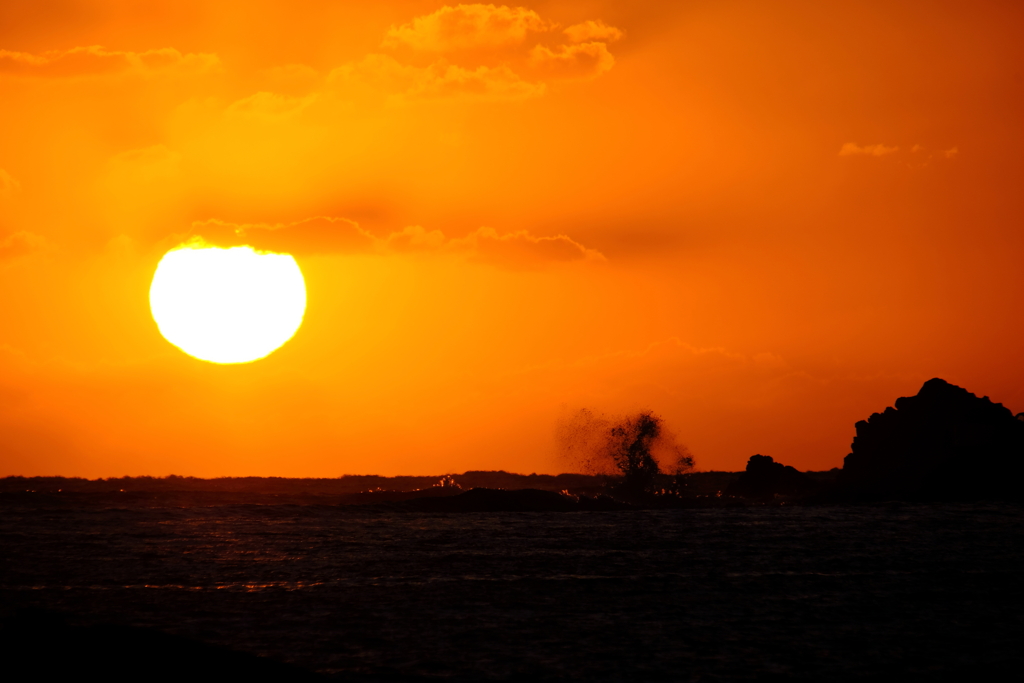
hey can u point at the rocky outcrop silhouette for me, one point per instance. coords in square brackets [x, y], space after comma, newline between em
[945, 443]
[765, 478]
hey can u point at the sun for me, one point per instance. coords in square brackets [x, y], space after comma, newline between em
[232, 305]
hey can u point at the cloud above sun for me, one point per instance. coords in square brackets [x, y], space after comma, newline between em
[322, 235]
[308, 237]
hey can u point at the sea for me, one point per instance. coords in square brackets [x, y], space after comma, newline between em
[757, 593]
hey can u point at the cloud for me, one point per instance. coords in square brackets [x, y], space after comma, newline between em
[496, 83]
[482, 82]
[21, 244]
[571, 62]
[923, 157]
[478, 52]
[879, 150]
[8, 184]
[517, 249]
[514, 66]
[311, 236]
[521, 249]
[386, 75]
[97, 60]
[467, 27]
[593, 30]
[325, 235]
[416, 238]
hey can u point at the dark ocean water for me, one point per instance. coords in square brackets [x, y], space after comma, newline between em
[760, 593]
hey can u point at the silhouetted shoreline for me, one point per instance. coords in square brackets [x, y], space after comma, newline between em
[470, 491]
[344, 485]
[944, 444]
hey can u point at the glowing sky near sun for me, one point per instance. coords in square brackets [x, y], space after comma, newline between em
[762, 221]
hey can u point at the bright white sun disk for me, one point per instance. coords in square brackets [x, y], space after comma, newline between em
[232, 305]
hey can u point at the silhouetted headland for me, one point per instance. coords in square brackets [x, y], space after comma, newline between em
[945, 443]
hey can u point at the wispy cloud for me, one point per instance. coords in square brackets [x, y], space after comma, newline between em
[317, 235]
[572, 62]
[593, 30]
[326, 235]
[877, 150]
[467, 27]
[387, 75]
[484, 52]
[97, 60]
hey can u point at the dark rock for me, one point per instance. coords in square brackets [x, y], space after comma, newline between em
[943, 444]
[765, 478]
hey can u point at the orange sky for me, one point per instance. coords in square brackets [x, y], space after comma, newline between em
[763, 221]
